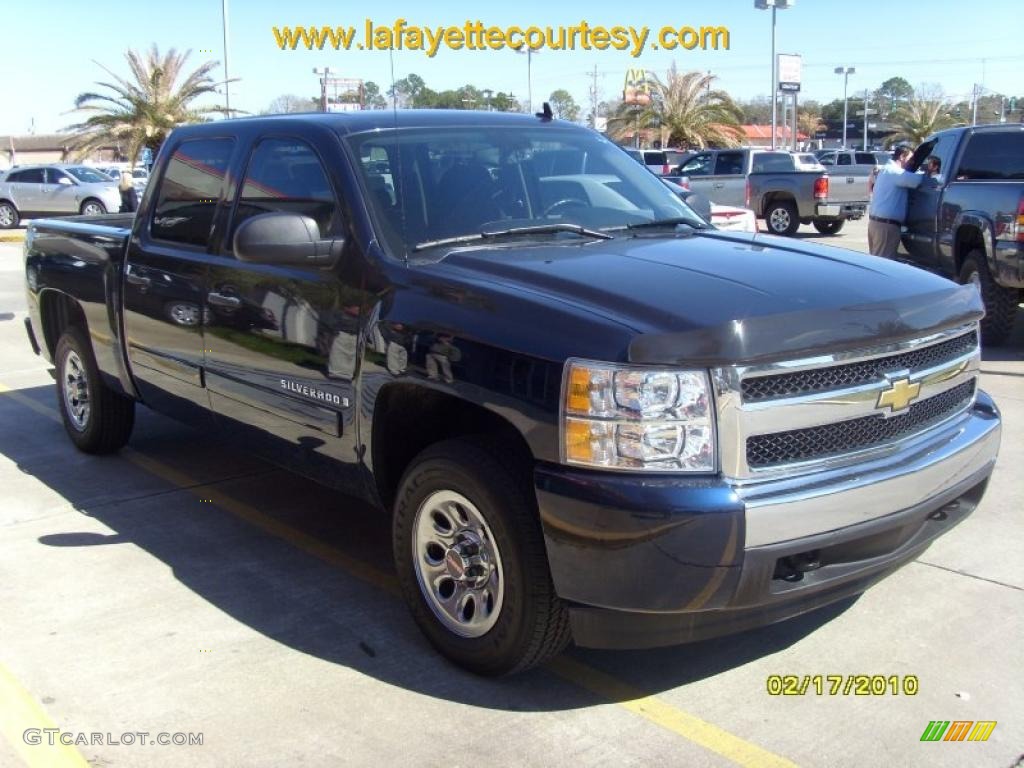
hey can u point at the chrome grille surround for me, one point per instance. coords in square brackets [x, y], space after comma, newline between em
[740, 420]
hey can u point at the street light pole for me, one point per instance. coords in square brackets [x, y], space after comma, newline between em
[325, 72]
[763, 5]
[227, 77]
[529, 74]
[845, 72]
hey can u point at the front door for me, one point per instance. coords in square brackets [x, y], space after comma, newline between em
[282, 340]
[58, 196]
[164, 297]
[923, 202]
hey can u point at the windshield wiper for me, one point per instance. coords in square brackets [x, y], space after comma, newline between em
[673, 222]
[533, 229]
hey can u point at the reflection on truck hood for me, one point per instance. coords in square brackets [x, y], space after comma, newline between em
[713, 298]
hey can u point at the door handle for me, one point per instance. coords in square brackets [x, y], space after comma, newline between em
[140, 280]
[223, 300]
[718, 185]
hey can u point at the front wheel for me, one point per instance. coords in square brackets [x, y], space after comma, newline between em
[97, 419]
[781, 218]
[1000, 303]
[471, 560]
[93, 208]
[829, 226]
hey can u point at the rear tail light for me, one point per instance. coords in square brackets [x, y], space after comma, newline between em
[1010, 226]
[821, 188]
[665, 169]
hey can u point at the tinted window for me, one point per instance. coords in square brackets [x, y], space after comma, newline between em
[655, 158]
[827, 159]
[286, 175]
[54, 175]
[192, 185]
[997, 155]
[772, 161]
[729, 164]
[698, 165]
[29, 176]
[864, 158]
[843, 159]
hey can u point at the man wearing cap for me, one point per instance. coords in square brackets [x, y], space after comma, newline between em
[888, 206]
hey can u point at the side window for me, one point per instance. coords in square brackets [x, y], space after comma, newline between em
[698, 165]
[998, 155]
[286, 175]
[191, 188]
[54, 175]
[30, 176]
[729, 164]
[827, 160]
[843, 159]
[772, 162]
[864, 158]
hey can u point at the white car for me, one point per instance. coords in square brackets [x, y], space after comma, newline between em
[729, 218]
[140, 176]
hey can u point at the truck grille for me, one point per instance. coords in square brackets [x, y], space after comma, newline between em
[777, 386]
[856, 434]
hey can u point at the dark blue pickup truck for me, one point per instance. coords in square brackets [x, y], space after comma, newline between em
[589, 415]
[967, 220]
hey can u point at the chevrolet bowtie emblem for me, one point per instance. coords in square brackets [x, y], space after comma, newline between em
[900, 394]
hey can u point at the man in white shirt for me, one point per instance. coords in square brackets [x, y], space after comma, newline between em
[888, 206]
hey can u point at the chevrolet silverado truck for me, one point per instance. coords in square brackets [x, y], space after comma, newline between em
[772, 184]
[588, 414]
[967, 221]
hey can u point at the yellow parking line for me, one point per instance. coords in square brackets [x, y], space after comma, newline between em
[656, 711]
[20, 713]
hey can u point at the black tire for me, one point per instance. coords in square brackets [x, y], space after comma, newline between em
[829, 226]
[1000, 303]
[106, 423]
[531, 624]
[92, 201]
[9, 216]
[781, 218]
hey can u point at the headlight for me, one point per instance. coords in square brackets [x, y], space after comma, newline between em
[648, 419]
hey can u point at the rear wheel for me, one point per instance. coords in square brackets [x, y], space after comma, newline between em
[1000, 303]
[9, 216]
[781, 218]
[829, 226]
[97, 419]
[93, 208]
[471, 560]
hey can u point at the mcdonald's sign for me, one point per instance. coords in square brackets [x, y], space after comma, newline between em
[958, 730]
[636, 89]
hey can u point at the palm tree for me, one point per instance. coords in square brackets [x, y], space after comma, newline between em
[919, 118]
[685, 110]
[141, 111]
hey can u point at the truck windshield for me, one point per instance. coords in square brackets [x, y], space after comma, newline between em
[433, 184]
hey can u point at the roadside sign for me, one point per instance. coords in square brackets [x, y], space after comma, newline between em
[789, 69]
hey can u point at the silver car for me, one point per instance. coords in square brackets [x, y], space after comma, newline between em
[32, 191]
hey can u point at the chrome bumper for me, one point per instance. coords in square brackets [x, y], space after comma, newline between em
[796, 507]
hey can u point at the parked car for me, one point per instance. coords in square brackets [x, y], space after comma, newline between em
[968, 222]
[770, 183]
[584, 422]
[804, 161]
[728, 218]
[140, 176]
[31, 191]
[850, 162]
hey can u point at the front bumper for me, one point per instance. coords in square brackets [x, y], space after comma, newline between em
[648, 561]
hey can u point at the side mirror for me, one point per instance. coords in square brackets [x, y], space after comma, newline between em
[699, 205]
[284, 238]
[64, 181]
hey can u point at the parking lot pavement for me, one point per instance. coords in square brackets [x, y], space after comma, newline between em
[183, 587]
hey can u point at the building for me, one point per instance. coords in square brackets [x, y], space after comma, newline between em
[761, 136]
[49, 148]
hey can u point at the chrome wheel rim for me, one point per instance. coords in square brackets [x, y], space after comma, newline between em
[6, 216]
[779, 219]
[458, 566]
[92, 209]
[76, 391]
[185, 314]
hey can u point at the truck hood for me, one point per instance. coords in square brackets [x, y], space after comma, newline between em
[713, 299]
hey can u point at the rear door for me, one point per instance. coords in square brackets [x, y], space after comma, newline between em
[164, 297]
[282, 340]
[846, 184]
[26, 188]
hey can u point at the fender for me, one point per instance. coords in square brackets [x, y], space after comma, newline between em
[948, 241]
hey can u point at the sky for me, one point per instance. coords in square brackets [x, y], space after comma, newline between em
[51, 47]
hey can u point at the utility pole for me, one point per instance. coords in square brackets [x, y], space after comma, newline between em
[325, 73]
[593, 98]
[974, 104]
[227, 77]
[866, 110]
